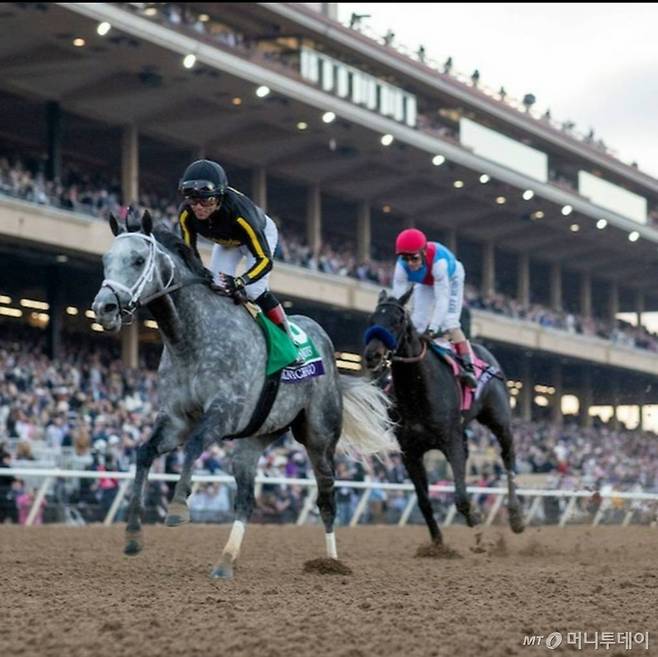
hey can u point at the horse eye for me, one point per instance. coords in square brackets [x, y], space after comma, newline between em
[139, 261]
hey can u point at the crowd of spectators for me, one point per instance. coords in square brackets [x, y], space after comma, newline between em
[620, 332]
[86, 411]
[97, 196]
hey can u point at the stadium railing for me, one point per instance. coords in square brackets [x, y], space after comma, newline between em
[534, 496]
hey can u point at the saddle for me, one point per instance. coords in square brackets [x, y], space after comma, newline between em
[484, 372]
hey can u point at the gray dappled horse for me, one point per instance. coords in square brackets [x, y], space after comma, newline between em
[427, 408]
[210, 378]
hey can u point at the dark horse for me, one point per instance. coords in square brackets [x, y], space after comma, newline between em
[427, 407]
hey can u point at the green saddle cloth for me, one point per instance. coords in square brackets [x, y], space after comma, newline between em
[281, 350]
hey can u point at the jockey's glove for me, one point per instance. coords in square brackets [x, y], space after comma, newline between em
[430, 334]
[231, 285]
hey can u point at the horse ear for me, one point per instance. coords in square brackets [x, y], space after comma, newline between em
[406, 296]
[383, 295]
[147, 223]
[114, 225]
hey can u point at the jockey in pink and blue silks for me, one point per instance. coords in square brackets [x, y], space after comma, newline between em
[439, 293]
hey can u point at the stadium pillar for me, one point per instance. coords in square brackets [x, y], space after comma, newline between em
[54, 132]
[586, 295]
[130, 164]
[586, 398]
[615, 403]
[451, 240]
[363, 237]
[556, 407]
[613, 301]
[259, 187]
[130, 345]
[525, 398]
[489, 269]
[556, 286]
[314, 218]
[639, 306]
[55, 312]
[523, 284]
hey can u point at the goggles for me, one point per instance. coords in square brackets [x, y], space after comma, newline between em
[199, 189]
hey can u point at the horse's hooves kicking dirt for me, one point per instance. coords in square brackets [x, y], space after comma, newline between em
[516, 521]
[326, 566]
[437, 551]
[132, 548]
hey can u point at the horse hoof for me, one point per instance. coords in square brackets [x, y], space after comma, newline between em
[133, 546]
[516, 521]
[177, 515]
[224, 571]
[474, 518]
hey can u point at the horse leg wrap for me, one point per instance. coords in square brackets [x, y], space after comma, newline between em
[330, 541]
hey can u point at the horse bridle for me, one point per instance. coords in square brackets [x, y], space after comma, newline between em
[127, 312]
[392, 353]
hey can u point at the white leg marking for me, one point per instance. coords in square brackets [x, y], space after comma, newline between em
[235, 539]
[330, 540]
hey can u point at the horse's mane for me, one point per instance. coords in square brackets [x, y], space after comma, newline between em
[176, 245]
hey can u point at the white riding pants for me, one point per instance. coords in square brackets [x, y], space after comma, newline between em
[226, 260]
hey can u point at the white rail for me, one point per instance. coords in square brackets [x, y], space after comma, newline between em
[49, 475]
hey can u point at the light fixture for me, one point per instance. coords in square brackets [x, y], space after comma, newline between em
[634, 236]
[538, 214]
[149, 323]
[601, 224]
[386, 209]
[328, 117]
[574, 228]
[387, 140]
[150, 11]
[90, 314]
[302, 125]
[346, 355]
[79, 42]
[189, 60]
[484, 179]
[262, 91]
[61, 258]
[458, 184]
[103, 28]
[566, 210]
[236, 101]
[36, 305]
[71, 310]
[5, 299]
[96, 327]
[501, 200]
[204, 18]
[11, 312]
[528, 194]
[438, 160]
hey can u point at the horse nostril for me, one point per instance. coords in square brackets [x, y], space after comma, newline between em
[109, 307]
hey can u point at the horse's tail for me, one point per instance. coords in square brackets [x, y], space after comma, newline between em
[367, 427]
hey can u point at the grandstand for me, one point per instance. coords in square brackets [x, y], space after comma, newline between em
[344, 142]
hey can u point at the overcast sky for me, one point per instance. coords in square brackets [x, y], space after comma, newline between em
[594, 64]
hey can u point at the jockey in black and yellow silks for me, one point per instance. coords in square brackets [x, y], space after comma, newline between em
[238, 227]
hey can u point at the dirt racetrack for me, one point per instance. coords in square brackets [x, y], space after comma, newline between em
[69, 592]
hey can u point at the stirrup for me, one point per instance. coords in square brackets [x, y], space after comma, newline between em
[468, 379]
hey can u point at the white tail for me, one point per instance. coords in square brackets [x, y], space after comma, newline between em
[367, 427]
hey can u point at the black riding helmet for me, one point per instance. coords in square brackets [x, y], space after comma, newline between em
[203, 179]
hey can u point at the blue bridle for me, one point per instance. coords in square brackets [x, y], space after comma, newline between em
[382, 334]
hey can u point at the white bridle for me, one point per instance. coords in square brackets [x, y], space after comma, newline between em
[147, 275]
